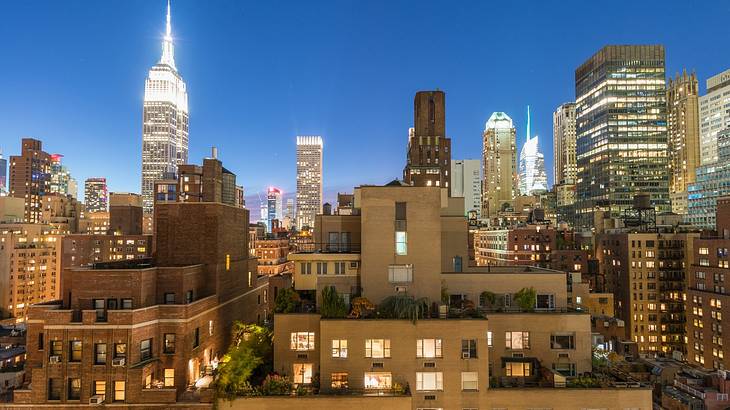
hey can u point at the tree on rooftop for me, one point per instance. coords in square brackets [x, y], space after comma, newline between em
[403, 307]
[247, 362]
[526, 298]
[333, 305]
[287, 301]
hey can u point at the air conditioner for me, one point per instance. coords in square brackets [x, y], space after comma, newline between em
[55, 359]
[564, 355]
[465, 355]
[401, 289]
[429, 364]
[97, 399]
[118, 361]
[353, 265]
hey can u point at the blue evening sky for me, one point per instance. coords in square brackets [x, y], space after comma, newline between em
[261, 72]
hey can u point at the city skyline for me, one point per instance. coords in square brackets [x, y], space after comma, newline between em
[135, 35]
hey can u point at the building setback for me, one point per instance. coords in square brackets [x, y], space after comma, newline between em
[466, 182]
[621, 130]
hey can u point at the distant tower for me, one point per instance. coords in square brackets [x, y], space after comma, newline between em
[96, 196]
[309, 180]
[429, 150]
[3, 175]
[165, 120]
[274, 206]
[466, 182]
[683, 137]
[499, 162]
[533, 179]
[60, 176]
[30, 177]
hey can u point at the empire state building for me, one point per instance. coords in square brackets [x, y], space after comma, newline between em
[165, 120]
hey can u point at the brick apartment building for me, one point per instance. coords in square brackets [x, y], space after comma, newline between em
[145, 333]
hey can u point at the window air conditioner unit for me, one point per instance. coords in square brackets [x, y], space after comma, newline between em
[55, 359]
[465, 355]
[119, 361]
[401, 289]
[429, 397]
[429, 364]
[377, 365]
[564, 355]
[97, 399]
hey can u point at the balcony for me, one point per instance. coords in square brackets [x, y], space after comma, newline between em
[327, 247]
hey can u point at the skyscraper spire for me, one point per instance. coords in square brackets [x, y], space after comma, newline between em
[168, 50]
[528, 122]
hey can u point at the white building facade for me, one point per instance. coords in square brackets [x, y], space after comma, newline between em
[714, 115]
[466, 182]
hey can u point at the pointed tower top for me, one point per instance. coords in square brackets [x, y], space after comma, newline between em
[168, 50]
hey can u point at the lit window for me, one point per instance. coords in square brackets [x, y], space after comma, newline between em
[489, 338]
[339, 381]
[119, 390]
[378, 380]
[517, 340]
[169, 377]
[517, 369]
[401, 243]
[428, 348]
[302, 341]
[428, 381]
[377, 348]
[302, 373]
[469, 381]
[339, 348]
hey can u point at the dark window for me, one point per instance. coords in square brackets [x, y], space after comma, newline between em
[189, 297]
[100, 353]
[99, 305]
[111, 304]
[196, 337]
[169, 347]
[333, 241]
[74, 351]
[145, 349]
[468, 348]
[562, 341]
[41, 342]
[169, 298]
[55, 387]
[457, 264]
[400, 211]
[126, 303]
[74, 389]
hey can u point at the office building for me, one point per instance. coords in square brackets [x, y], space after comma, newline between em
[30, 267]
[466, 182]
[532, 179]
[60, 176]
[3, 175]
[565, 171]
[499, 159]
[683, 136]
[30, 177]
[165, 120]
[714, 114]
[96, 196]
[309, 180]
[274, 209]
[621, 131]
[711, 183]
[428, 159]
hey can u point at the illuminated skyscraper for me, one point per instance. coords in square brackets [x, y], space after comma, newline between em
[60, 176]
[30, 177]
[683, 137]
[466, 182]
[533, 179]
[499, 159]
[274, 207]
[714, 115]
[309, 180]
[621, 127]
[165, 120]
[96, 196]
